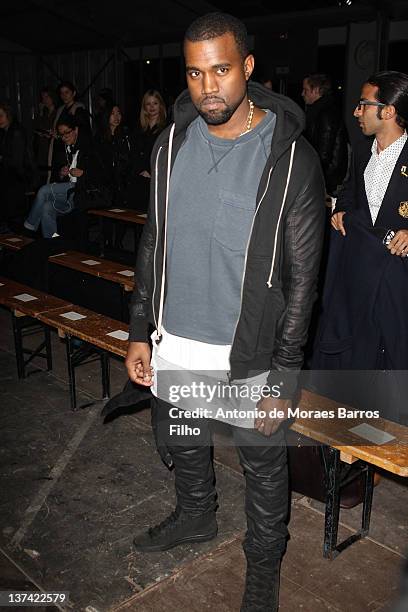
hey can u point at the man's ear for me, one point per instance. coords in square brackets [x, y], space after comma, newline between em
[249, 64]
[389, 112]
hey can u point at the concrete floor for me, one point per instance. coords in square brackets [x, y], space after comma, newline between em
[74, 490]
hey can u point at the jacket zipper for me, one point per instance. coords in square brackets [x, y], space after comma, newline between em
[245, 264]
[156, 210]
[269, 281]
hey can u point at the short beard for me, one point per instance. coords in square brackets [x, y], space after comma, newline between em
[217, 118]
[221, 116]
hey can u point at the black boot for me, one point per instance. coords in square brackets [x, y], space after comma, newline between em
[261, 585]
[194, 518]
[177, 528]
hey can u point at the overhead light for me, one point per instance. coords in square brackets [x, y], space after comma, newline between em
[147, 61]
[345, 2]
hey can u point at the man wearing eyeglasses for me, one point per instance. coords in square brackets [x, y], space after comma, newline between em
[364, 324]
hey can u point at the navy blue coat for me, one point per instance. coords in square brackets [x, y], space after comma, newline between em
[365, 298]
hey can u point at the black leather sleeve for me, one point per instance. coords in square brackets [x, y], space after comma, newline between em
[347, 196]
[303, 238]
[141, 303]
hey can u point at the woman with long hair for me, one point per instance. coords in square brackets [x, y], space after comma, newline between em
[152, 121]
[113, 146]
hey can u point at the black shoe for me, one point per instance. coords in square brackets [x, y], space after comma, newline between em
[261, 587]
[178, 528]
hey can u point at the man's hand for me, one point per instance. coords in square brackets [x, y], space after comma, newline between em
[337, 222]
[268, 425]
[76, 172]
[64, 171]
[144, 173]
[138, 363]
[399, 244]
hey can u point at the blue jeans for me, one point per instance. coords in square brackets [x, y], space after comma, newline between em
[51, 200]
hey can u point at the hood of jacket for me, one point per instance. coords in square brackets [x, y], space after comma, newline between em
[290, 119]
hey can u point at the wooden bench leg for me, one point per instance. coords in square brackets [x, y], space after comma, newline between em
[48, 348]
[105, 372]
[331, 549]
[71, 372]
[25, 326]
[331, 520]
[368, 500]
[18, 345]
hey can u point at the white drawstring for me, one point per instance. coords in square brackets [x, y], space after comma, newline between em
[292, 153]
[160, 317]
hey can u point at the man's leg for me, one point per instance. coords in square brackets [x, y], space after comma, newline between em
[194, 517]
[264, 462]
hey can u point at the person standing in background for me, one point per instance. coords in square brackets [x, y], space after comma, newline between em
[152, 121]
[43, 127]
[325, 129]
[16, 168]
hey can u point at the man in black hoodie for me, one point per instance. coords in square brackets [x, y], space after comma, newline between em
[226, 274]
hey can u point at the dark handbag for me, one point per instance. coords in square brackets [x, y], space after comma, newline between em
[92, 197]
[307, 472]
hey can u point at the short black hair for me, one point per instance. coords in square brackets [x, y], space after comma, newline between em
[217, 24]
[392, 90]
[69, 121]
[320, 81]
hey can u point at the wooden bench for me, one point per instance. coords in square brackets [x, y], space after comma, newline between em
[96, 266]
[99, 267]
[30, 306]
[14, 242]
[25, 305]
[123, 215]
[348, 447]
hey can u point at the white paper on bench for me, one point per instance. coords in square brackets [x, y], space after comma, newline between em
[1, 284]
[126, 272]
[25, 297]
[73, 316]
[57, 255]
[14, 240]
[372, 434]
[91, 262]
[144, 215]
[119, 334]
[116, 210]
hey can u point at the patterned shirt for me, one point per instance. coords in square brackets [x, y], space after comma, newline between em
[378, 172]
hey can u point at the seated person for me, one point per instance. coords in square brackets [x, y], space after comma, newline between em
[81, 179]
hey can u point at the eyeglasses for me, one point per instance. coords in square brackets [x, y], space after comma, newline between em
[362, 103]
[64, 134]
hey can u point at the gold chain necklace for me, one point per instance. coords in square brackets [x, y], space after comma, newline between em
[249, 119]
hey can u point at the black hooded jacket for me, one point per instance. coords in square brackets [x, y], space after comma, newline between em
[283, 251]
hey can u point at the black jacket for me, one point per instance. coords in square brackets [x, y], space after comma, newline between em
[283, 251]
[353, 198]
[92, 188]
[326, 132]
[16, 170]
[114, 155]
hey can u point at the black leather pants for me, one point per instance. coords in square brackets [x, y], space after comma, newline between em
[264, 463]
